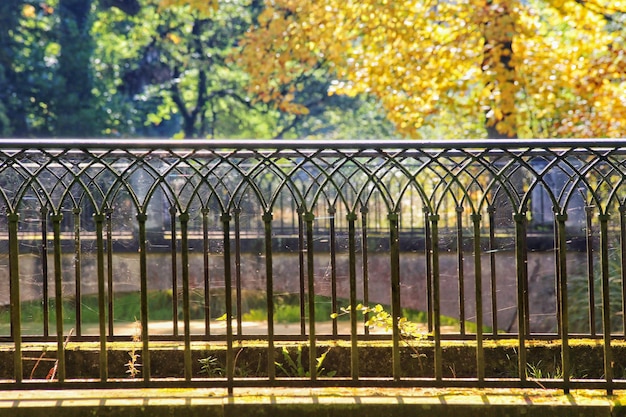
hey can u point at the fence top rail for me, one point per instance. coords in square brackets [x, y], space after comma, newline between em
[199, 144]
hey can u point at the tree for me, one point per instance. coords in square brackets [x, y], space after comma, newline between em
[76, 107]
[72, 68]
[174, 70]
[46, 77]
[28, 57]
[549, 68]
[171, 65]
[9, 110]
[74, 104]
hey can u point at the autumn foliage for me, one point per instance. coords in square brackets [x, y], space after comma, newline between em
[545, 69]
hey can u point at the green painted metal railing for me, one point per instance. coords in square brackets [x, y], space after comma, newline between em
[443, 227]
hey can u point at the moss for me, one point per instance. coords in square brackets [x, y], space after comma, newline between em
[375, 359]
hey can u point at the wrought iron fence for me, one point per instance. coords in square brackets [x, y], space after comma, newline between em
[261, 244]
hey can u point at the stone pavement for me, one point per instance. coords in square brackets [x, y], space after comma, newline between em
[317, 402]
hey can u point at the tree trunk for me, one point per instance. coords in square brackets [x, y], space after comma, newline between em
[499, 26]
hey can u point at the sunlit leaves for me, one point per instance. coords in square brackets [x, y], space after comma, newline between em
[539, 68]
[29, 11]
[205, 7]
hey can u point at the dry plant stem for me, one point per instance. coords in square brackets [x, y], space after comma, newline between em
[53, 371]
[132, 364]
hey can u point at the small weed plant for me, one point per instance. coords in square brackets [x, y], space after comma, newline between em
[378, 317]
[211, 366]
[295, 368]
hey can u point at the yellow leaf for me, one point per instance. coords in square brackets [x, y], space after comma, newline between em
[174, 38]
[29, 11]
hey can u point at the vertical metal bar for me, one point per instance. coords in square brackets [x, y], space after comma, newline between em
[58, 295]
[557, 261]
[237, 212]
[143, 279]
[522, 293]
[590, 274]
[184, 232]
[396, 308]
[480, 353]
[110, 297]
[44, 271]
[333, 265]
[606, 302]
[301, 251]
[174, 256]
[206, 273]
[524, 249]
[281, 207]
[14, 280]
[104, 369]
[460, 269]
[429, 268]
[436, 311]
[354, 348]
[77, 271]
[622, 211]
[269, 290]
[308, 218]
[491, 210]
[365, 265]
[563, 302]
[228, 295]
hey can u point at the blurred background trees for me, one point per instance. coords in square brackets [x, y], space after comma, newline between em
[324, 69]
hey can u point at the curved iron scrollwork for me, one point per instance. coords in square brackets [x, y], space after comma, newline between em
[477, 213]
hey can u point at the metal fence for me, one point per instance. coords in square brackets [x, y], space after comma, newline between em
[263, 244]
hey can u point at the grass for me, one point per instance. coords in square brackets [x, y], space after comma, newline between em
[127, 309]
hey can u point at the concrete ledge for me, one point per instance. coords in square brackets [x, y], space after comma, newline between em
[344, 402]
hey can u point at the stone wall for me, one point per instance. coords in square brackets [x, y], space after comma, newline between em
[542, 299]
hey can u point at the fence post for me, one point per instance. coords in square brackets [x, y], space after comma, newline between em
[238, 309]
[308, 219]
[521, 263]
[622, 240]
[396, 309]
[460, 267]
[184, 240]
[436, 307]
[206, 273]
[58, 295]
[563, 310]
[480, 353]
[606, 302]
[365, 265]
[333, 264]
[269, 289]
[143, 283]
[354, 348]
[109, 227]
[174, 270]
[14, 279]
[44, 270]
[301, 251]
[77, 271]
[104, 368]
[228, 296]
